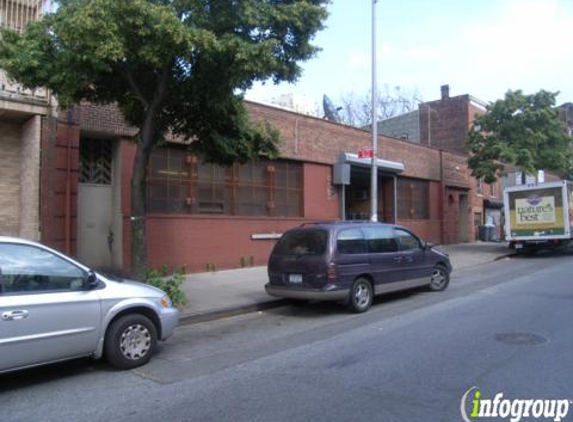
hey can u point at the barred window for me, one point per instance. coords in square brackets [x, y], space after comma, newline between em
[179, 183]
[413, 199]
[95, 161]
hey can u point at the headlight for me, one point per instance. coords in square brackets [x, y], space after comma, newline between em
[165, 302]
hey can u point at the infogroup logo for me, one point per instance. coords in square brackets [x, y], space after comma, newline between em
[475, 407]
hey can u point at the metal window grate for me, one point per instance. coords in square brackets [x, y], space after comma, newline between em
[179, 183]
[95, 162]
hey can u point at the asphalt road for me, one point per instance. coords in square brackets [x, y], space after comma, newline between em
[502, 327]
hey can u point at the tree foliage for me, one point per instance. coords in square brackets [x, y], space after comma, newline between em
[356, 109]
[522, 130]
[172, 66]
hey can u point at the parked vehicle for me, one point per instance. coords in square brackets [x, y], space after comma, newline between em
[53, 308]
[539, 216]
[351, 262]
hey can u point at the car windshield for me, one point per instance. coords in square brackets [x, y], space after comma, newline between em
[302, 242]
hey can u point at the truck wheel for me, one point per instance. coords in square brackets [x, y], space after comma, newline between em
[130, 341]
[360, 296]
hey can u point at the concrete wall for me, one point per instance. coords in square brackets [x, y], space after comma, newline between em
[10, 145]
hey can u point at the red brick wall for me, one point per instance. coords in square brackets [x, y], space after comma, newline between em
[429, 229]
[103, 120]
[195, 241]
[311, 139]
[320, 196]
[445, 123]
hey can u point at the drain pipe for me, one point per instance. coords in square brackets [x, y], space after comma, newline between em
[395, 199]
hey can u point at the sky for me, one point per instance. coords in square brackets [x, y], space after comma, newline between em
[483, 48]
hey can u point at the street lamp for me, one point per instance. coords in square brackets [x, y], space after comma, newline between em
[374, 170]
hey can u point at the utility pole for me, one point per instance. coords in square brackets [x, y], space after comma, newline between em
[374, 170]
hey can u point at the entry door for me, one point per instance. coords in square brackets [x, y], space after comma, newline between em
[463, 218]
[95, 205]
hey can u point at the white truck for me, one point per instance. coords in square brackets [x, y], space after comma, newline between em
[539, 216]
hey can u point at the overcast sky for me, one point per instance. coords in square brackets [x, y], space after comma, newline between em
[482, 48]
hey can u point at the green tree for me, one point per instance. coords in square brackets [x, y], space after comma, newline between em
[174, 67]
[522, 130]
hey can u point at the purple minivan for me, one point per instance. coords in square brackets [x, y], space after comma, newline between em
[351, 262]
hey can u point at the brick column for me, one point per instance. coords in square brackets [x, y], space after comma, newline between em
[30, 179]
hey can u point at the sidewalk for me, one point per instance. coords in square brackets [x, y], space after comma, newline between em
[227, 293]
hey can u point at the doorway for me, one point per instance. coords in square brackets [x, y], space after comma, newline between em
[357, 196]
[99, 211]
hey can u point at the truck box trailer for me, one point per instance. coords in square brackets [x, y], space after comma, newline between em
[539, 216]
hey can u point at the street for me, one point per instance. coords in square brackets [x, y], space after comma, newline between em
[502, 327]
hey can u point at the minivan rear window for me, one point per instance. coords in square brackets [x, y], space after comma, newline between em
[302, 242]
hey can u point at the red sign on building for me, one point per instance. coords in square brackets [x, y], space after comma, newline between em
[365, 153]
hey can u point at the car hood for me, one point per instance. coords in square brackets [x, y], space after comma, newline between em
[131, 287]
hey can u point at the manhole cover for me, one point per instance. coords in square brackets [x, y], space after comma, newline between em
[520, 339]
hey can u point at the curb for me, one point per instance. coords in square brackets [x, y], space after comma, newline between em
[233, 311]
[208, 316]
[509, 255]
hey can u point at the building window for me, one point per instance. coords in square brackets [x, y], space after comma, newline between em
[480, 186]
[413, 199]
[95, 162]
[17, 15]
[179, 183]
[493, 189]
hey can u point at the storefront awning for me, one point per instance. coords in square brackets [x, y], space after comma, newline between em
[492, 203]
[385, 165]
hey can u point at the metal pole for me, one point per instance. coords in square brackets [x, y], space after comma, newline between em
[374, 171]
[342, 202]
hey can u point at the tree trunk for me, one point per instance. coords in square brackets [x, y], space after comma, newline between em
[149, 136]
[138, 213]
[139, 197]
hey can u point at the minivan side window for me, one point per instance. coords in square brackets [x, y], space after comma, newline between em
[28, 269]
[380, 239]
[351, 242]
[407, 240]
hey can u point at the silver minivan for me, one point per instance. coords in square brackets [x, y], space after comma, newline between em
[53, 308]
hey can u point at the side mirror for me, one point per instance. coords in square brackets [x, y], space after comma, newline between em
[92, 280]
[428, 245]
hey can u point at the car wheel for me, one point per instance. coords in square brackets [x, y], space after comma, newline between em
[439, 279]
[130, 341]
[360, 297]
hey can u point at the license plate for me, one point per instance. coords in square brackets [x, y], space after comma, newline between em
[295, 278]
[518, 246]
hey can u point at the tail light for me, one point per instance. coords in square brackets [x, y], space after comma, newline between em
[331, 272]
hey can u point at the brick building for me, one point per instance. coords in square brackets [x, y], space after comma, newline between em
[442, 123]
[204, 215]
[21, 112]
